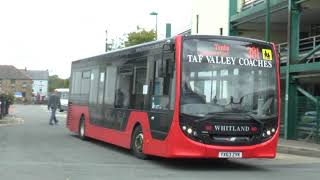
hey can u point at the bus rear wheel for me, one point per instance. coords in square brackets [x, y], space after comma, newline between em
[82, 129]
[137, 143]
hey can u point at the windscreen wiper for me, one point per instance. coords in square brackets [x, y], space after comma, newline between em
[260, 120]
[221, 115]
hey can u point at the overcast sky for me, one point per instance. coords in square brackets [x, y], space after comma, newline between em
[50, 34]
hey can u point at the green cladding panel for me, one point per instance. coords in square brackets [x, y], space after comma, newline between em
[233, 5]
[168, 30]
[293, 57]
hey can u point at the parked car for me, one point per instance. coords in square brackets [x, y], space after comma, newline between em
[307, 125]
[64, 98]
[309, 117]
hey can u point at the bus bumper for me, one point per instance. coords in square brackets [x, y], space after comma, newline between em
[181, 146]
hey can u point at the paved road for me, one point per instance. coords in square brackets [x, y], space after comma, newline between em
[34, 150]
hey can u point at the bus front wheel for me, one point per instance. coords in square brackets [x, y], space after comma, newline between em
[137, 143]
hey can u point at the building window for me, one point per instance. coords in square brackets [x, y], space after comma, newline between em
[24, 85]
[86, 74]
[13, 82]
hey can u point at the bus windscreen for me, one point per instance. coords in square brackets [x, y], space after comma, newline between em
[228, 76]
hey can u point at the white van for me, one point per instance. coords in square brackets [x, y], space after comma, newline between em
[64, 98]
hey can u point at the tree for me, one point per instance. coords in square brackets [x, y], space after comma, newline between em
[140, 36]
[55, 82]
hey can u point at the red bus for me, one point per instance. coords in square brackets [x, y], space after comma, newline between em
[185, 97]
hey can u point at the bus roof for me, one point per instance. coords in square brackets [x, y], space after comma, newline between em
[127, 50]
[157, 44]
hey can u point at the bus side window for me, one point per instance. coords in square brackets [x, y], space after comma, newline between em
[76, 82]
[124, 86]
[110, 86]
[85, 82]
[140, 89]
[159, 100]
[164, 87]
[93, 95]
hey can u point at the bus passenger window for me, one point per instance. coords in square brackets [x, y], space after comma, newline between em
[140, 90]
[119, 102]
[124, 86]
[159, 101]
[93, 96]
[164, 87]
[110, 86]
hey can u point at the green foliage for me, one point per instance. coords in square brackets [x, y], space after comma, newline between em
[140, 36]
[9, 97]
[55, 82]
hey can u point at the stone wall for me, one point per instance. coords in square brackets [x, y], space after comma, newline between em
[13, 86]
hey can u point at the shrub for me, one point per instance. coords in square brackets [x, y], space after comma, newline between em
[9, 97]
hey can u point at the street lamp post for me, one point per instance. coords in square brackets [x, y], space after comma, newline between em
[155, 14]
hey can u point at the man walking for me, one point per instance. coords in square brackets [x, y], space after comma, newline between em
[53, 104]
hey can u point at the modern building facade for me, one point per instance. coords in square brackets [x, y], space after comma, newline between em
[13, 81]
[295, 29]
[293, 25]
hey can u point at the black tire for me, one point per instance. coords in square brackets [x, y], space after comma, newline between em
[137, 143]
[82, 129]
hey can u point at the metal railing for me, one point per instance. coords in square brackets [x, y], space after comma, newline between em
[246, 4]
[308, 121]
[305, 45]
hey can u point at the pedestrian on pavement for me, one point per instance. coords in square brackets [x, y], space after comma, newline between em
[53, 105]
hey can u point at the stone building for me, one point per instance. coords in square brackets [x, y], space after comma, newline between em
[13, 81]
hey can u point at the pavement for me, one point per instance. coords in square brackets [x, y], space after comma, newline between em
[10, 120]
[298, 148]
[284, 146]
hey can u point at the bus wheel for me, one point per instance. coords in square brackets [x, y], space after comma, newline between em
[82, 129]
[137, 143]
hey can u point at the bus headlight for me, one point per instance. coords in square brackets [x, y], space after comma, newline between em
[184, 128]
[268, 132]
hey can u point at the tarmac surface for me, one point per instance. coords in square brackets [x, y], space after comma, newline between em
[31, 149]
[284, 146]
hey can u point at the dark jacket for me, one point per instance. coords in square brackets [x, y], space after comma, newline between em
[54, 102]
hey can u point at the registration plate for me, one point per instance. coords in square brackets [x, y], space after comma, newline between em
[230, 154]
